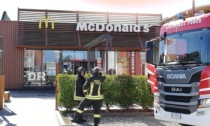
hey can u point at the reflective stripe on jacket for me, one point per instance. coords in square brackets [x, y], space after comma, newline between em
[93, 87]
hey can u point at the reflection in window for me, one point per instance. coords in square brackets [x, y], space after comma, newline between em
[51, 57]
[74, 55]
[39, 64]
[186, 47]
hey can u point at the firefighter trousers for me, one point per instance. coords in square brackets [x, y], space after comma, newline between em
[96, 109]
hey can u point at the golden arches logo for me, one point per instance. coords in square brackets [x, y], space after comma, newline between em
[49, 18]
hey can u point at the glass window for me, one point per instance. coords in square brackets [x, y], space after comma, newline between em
[51, 57]
[40, 67]
[186, 47]
[74, 55]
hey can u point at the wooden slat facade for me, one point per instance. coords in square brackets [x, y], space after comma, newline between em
[65, 36]
[12, 57]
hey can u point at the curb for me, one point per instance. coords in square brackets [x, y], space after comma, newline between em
[60, 120]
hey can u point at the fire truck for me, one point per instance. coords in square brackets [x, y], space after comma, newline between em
[179, 71]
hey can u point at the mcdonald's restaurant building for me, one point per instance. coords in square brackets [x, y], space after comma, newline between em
[51, 41]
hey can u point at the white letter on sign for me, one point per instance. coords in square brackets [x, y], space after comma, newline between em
[137, 28]
[31, 76]
[125, 28]
[100, 27]
[117, 26]
[91, 27]
[145, 28]
[109, 27]
[81, 26]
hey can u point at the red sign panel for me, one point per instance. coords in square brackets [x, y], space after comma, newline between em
[198, 22]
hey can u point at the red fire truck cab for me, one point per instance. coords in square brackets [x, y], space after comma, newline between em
[179, 71]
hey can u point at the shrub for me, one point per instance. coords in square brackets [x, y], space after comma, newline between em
[125, 91]
[66, 87]
[142, 93]
[110, 91]
[122, 89]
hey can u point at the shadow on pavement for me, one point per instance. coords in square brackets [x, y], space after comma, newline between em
[6, 112]
[42, 95]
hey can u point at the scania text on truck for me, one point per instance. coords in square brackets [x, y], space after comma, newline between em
[178, 65]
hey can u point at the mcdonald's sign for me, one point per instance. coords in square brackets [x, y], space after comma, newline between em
[46, 20]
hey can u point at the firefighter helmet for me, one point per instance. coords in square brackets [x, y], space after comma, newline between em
[96, 70]
[81, 69]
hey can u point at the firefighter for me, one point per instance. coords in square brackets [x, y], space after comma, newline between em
[93, 96]
[78, 94]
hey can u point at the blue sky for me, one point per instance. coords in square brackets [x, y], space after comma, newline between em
[166, 7]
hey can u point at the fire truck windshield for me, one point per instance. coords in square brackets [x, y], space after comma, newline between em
[186, 48]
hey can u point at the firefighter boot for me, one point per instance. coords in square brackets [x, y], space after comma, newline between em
[77, 118]
[95, 124]
[82, 119]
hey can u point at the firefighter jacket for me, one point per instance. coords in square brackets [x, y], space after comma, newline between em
[78, 94]
[93, 87]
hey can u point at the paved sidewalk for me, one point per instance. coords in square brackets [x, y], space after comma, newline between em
[120, 119]
[35, 109]
[29, 109]
[130, 121]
